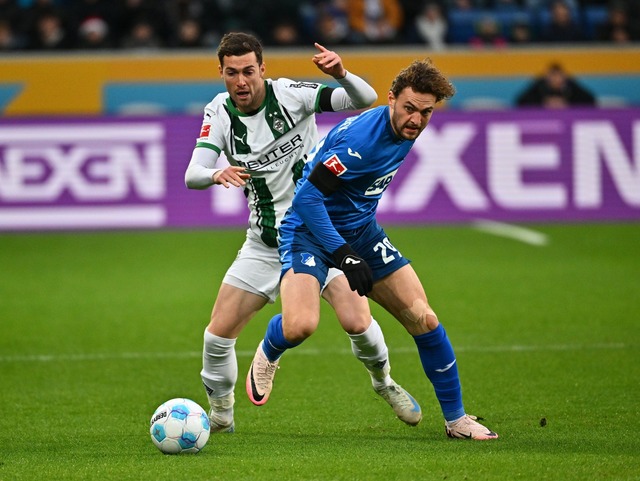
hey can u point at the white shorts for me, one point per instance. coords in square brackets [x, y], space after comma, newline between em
[256, 269]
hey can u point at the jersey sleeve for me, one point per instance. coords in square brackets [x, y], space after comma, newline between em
[347, 157]
[354, 94]
[212, 133]
[209, 145]
[202, 166]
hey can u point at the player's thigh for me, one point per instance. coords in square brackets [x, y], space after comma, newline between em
[256, 269]
[233, 309]
[300, 297]
[251, 282]
[373, 245]
[402, 295]
[351, 309]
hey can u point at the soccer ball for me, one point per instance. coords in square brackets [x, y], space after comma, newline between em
[179, 426]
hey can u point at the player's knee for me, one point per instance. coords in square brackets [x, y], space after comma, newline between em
[419, 316]
[224, 327]
[354, 322]
[297, 329]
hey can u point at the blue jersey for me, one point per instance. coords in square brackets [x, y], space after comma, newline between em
[365, 154]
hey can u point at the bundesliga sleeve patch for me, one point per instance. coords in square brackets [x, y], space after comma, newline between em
[334, 165]
[204, 131]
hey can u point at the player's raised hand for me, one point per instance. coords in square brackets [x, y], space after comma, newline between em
[329, 62]
[232, 175]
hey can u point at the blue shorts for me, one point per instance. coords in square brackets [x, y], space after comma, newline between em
[299, 250]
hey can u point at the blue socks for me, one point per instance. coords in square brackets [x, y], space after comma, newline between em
[439, 364]
[275, 343]
[436, 355]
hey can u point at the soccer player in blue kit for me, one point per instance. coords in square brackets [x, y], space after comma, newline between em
[331, 223]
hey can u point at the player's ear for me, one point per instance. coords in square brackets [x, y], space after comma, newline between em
[263, 68]
[391, 98]
[220, 69]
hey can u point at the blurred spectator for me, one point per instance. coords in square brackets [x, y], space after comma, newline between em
[562, 27]
[429, 27]
[188, 35]
[284, 33]
[375, 21]
[556, 89]
[93, 34]
[142, 36]
[187, 20]
[31, 15]
[619, 27]
[332, 23]
[488, 33]
[463, 5]
[411, 10]
[81, 10]
[11, 25]
[521, 33]
[50, 33]
[197, 23]
[136, 19]
[9, 40]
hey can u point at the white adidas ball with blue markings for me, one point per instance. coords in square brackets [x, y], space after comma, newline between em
[179, 426]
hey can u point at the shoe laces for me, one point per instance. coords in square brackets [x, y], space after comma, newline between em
[399, 397]
[468, 420]
[266, 370]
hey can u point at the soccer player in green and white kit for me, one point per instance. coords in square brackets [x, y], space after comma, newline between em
[266, 128]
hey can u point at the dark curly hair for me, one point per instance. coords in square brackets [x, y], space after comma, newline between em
[237, 44]
[423, 77]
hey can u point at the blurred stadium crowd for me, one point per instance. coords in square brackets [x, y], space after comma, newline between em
[53, 25]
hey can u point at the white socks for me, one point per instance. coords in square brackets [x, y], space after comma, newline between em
[219, 365]
[370, 348]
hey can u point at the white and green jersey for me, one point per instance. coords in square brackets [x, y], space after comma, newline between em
[271, 143]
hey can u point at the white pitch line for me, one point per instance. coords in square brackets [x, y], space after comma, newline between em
[304, 351]
[510, 231]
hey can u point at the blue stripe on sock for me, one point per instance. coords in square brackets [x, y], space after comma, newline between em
[439, 364]
[275, 344]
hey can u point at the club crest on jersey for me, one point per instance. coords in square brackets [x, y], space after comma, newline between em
[308, 259]
[204, 131]
[334, 165]
[278, 124]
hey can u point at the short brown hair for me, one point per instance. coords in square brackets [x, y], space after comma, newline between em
[237, 44]
[423, 77]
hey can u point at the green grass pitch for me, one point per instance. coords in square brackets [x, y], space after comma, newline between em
[98, 329]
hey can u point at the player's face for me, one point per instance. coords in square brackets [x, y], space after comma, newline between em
[410, 112]
[244, 80]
